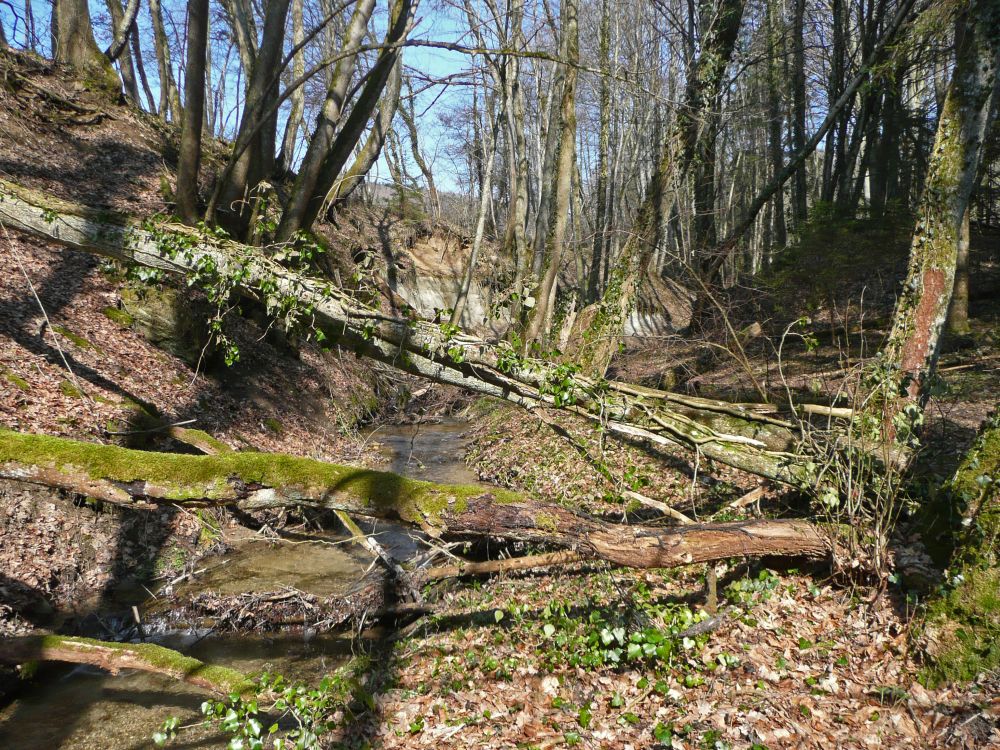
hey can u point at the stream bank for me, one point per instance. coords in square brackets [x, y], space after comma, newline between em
[118, 712]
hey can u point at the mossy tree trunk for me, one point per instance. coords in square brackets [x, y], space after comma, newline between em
[966, 116]
[260, 480]
[75, 45]
[690, 148]
[958, 313]
[746, 436]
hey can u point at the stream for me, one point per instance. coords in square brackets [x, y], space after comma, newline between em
[85, 708]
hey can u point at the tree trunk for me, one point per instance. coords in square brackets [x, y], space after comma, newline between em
[562, 178]
[337, 155]
[141, 68]
[247, 169]
[75, 45]
[119, 49]
[958, 312]
[699, 120]
[254, 481]
[693, 136]
[189, 159]
[241, 19]
[775, 122]
[966, 118]
[485, 197]
[800, 186]
[287, 156]
[369, 153]
[170, 104]
[122, 24]
[747, 437]
[834, 147]
[836, 112]
[409, 119]
[595, 282]
[326, 122]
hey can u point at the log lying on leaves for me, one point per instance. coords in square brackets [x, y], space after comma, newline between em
[746, 436]
[114, 657]
[261, 480]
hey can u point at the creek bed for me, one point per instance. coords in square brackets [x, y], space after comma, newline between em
[84, 708]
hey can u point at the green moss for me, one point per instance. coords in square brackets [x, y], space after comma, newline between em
[76, 339]
[545, 522]
[274, 425]
[217, 478]
[118, 316]
[69, 390]
[962, 629]
[17, 381]
[225, 680]
[200, 439]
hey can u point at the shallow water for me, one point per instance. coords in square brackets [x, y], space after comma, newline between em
[84, 708]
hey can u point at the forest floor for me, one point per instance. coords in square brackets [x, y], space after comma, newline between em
[580, 656]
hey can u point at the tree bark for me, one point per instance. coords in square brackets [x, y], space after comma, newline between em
[562, 187]
[189, 159]
[369, 153]
[122, 53]
[800, 186]
[75, 45]
[246, 170]
[326, 122]
[298, 99]
[253, 480]
[122, 23]
[958, 313]
[595, 282]
[965, 122]
[333, 159]
[170, 104]
[775, 122]
[241, 19]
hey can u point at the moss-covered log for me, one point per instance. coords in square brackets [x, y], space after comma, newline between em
[263, 480]
[747, 437]
[114, 657]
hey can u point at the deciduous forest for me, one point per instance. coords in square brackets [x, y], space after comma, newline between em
[499, 373]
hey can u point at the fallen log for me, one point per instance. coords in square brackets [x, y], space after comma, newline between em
[260, 480]
[746, 436]
[114, 657]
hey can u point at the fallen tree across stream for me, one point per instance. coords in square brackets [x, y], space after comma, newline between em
[750, 437]
[261, 480]
[114, 657]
